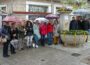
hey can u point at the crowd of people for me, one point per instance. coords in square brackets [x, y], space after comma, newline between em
[79, 23]
[34, 34]
[29, 35]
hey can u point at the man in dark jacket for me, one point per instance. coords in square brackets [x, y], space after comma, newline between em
[85, 24]
[73, 24]
[6, 31]
[80, 23]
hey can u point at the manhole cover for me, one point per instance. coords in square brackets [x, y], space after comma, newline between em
[42, 60]
[88, 59]
[76, 54]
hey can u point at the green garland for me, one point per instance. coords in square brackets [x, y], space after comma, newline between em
[73, 32]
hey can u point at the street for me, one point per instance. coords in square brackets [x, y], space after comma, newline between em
[44, 56]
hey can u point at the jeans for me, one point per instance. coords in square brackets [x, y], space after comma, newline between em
[43, 40]
[5, 48]
[12, 49]
[36, 39]
[29, 40]
[50, 38]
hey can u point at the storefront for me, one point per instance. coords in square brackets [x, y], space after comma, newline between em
[38, 9]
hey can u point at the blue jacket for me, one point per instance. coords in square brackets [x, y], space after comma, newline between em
[6, 30]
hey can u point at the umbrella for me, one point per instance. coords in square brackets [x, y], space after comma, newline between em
[52, 16]
[12, 19]
[81, 12]
[41, 19]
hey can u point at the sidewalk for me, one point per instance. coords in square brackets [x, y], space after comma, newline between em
[72, 49]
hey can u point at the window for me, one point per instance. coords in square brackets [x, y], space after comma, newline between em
[37, 8]
[3, 7]
[33, 17]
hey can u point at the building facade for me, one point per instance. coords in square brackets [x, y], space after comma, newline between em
[31, 9]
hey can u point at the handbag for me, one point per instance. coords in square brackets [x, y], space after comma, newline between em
[4, 40]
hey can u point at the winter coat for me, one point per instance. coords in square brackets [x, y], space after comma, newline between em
[73, 25]
[14, 33]
[6, 31]
[85, 25]
[36, 30]
[43, 29]
[49, 27]
[80, 25]
[21, 32]
[29, 30]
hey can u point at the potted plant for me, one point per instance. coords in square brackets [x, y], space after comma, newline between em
[75, 37]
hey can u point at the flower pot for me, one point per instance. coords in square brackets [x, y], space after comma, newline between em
[73, 39]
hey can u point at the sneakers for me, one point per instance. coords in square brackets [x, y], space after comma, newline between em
[35, 46]
[6, 56]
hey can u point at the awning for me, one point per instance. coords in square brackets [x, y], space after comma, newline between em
[28, 13]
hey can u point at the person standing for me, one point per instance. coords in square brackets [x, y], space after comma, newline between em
[6, 30]
[73, 24]
[21, 31]
[50, 28]
[29, 33]
[55, 31]
[85, 24]
[14, 38]
[43, 32]
[80, 23]
[36, 33]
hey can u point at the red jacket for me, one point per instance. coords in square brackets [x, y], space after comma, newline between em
[43, 29]
[49, 27]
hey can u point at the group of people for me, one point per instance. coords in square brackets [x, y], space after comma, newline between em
[79, 23]
[34, 33]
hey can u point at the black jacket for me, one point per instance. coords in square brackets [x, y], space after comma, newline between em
[14, 32]
[29, 30]
[85, 25]
[73, 25]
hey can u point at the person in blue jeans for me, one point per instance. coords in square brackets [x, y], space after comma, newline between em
[50, 38]
[36, 41]
[36, 33]
[50, 33]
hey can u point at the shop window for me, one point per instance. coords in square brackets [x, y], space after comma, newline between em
[3, 8]
[33, 17]
[36, 8]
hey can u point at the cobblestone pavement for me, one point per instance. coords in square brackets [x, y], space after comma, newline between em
[41, 56]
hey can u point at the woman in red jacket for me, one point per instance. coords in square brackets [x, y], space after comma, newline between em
[43, 32]
[50, 33]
